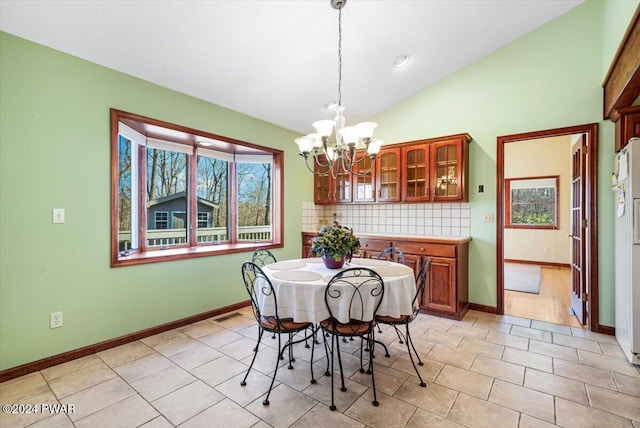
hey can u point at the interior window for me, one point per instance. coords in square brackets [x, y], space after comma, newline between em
[532, 202]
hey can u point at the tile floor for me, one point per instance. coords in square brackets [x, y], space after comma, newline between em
[483, 371]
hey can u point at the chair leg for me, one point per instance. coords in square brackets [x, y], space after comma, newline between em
[373, 379]
[313, 347]
[265, 402]
[333, 403]
[410, 342]
[255, 354]
[290, 345]
[343, 388]
[399, 335]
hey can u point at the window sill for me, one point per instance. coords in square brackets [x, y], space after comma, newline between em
[157, 256]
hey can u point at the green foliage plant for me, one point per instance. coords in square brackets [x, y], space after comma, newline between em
[335, 241]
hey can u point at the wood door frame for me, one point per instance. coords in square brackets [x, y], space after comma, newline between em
[591, 132]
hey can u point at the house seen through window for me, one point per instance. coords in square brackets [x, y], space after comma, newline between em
[179, 190]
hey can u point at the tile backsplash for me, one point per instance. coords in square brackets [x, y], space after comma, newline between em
[426, 219]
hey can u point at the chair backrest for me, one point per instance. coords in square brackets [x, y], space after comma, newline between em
[421, 282]
[263, 257]
[393, 254]
[354, 295]
[261, 292]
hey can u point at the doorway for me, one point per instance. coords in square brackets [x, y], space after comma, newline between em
[546, 224]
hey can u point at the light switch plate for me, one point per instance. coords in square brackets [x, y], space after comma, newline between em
[58, 215]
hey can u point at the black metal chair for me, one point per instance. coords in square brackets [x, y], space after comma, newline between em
[262, 296]
[354, 294]
[405, 320]
[263, 257]
[393, 254]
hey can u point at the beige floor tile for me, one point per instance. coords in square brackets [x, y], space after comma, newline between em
[473, 412]
[436, 323]
[239, 349]
[492, 325]
[612, 350]
[221, 337]
[176, 345]
[143, 367]
[320, 417]
[556, 385]
[614, 402]
[321, 391]
[474, 346]
[81, 379]
[68, 367]
[162, 382]
[195, 357]
[429, 370]
[607, 363]
[286, 406]
[442, 338]
[452, 356]
[465, 381]
[584, 373]
[434, 398]
[126, 353]
[219, 370]
[29, 413]
[577, 342]
[547, 326]
[131, 412]
[297, 378]
[388, 380]
[200, 329]
[531, 333]
[552, 350]
[470, 332]
[57, 421]
[587, 334]
[510, 319]
[15, 390]
[533, 403]
[627, 384]
[164, 337]
[422, 418]
[98, 397]
[187, 402]
[224, 414]
[528, 359]
[391, 412]
[498, 369]
[527, 421]
[158, 422]
[509, 340]
[570, 414]
[257, 384]
[235, 323]
[481, 315]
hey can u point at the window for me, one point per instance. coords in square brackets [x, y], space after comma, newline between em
[181, 193]
[532, 203]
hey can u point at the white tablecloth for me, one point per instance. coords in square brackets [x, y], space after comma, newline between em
[300, 284]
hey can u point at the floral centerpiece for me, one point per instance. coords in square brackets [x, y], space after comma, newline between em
[334, 243]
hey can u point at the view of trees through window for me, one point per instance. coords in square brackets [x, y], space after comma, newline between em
[532, 202]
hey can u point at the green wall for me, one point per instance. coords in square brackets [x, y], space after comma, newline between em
[549, 78]
[54, 152]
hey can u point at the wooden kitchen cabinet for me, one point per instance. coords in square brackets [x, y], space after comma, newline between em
[430, 170]
[447, 291]
[627, 126]
[328, 189]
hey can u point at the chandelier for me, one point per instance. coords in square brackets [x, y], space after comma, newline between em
[333, 146]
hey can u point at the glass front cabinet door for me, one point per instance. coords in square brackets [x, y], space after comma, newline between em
[447, 170]
[415, 186]
[388, 175]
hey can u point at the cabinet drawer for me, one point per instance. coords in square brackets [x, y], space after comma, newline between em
[372, 245]
[436, 250]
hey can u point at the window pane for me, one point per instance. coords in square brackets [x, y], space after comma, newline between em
[124, 194]
[254, 201]
[166, 192]
[212, 185]
[533, 206]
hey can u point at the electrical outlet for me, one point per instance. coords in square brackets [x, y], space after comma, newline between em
[56, 319]
[488, 218]
[545, 250]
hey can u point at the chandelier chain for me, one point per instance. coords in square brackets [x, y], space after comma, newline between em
[340, 56]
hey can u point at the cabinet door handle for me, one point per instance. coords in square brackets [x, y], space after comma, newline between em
[421, 249]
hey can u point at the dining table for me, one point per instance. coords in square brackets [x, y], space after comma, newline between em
[299, 286]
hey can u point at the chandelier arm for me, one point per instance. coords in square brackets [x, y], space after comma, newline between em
[319, 174]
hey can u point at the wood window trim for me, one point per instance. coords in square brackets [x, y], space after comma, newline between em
[507, 205]
[192, 249]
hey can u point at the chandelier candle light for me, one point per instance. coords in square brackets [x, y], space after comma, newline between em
[332, 138]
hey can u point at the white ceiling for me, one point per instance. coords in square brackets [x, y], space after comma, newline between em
[277, 60]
